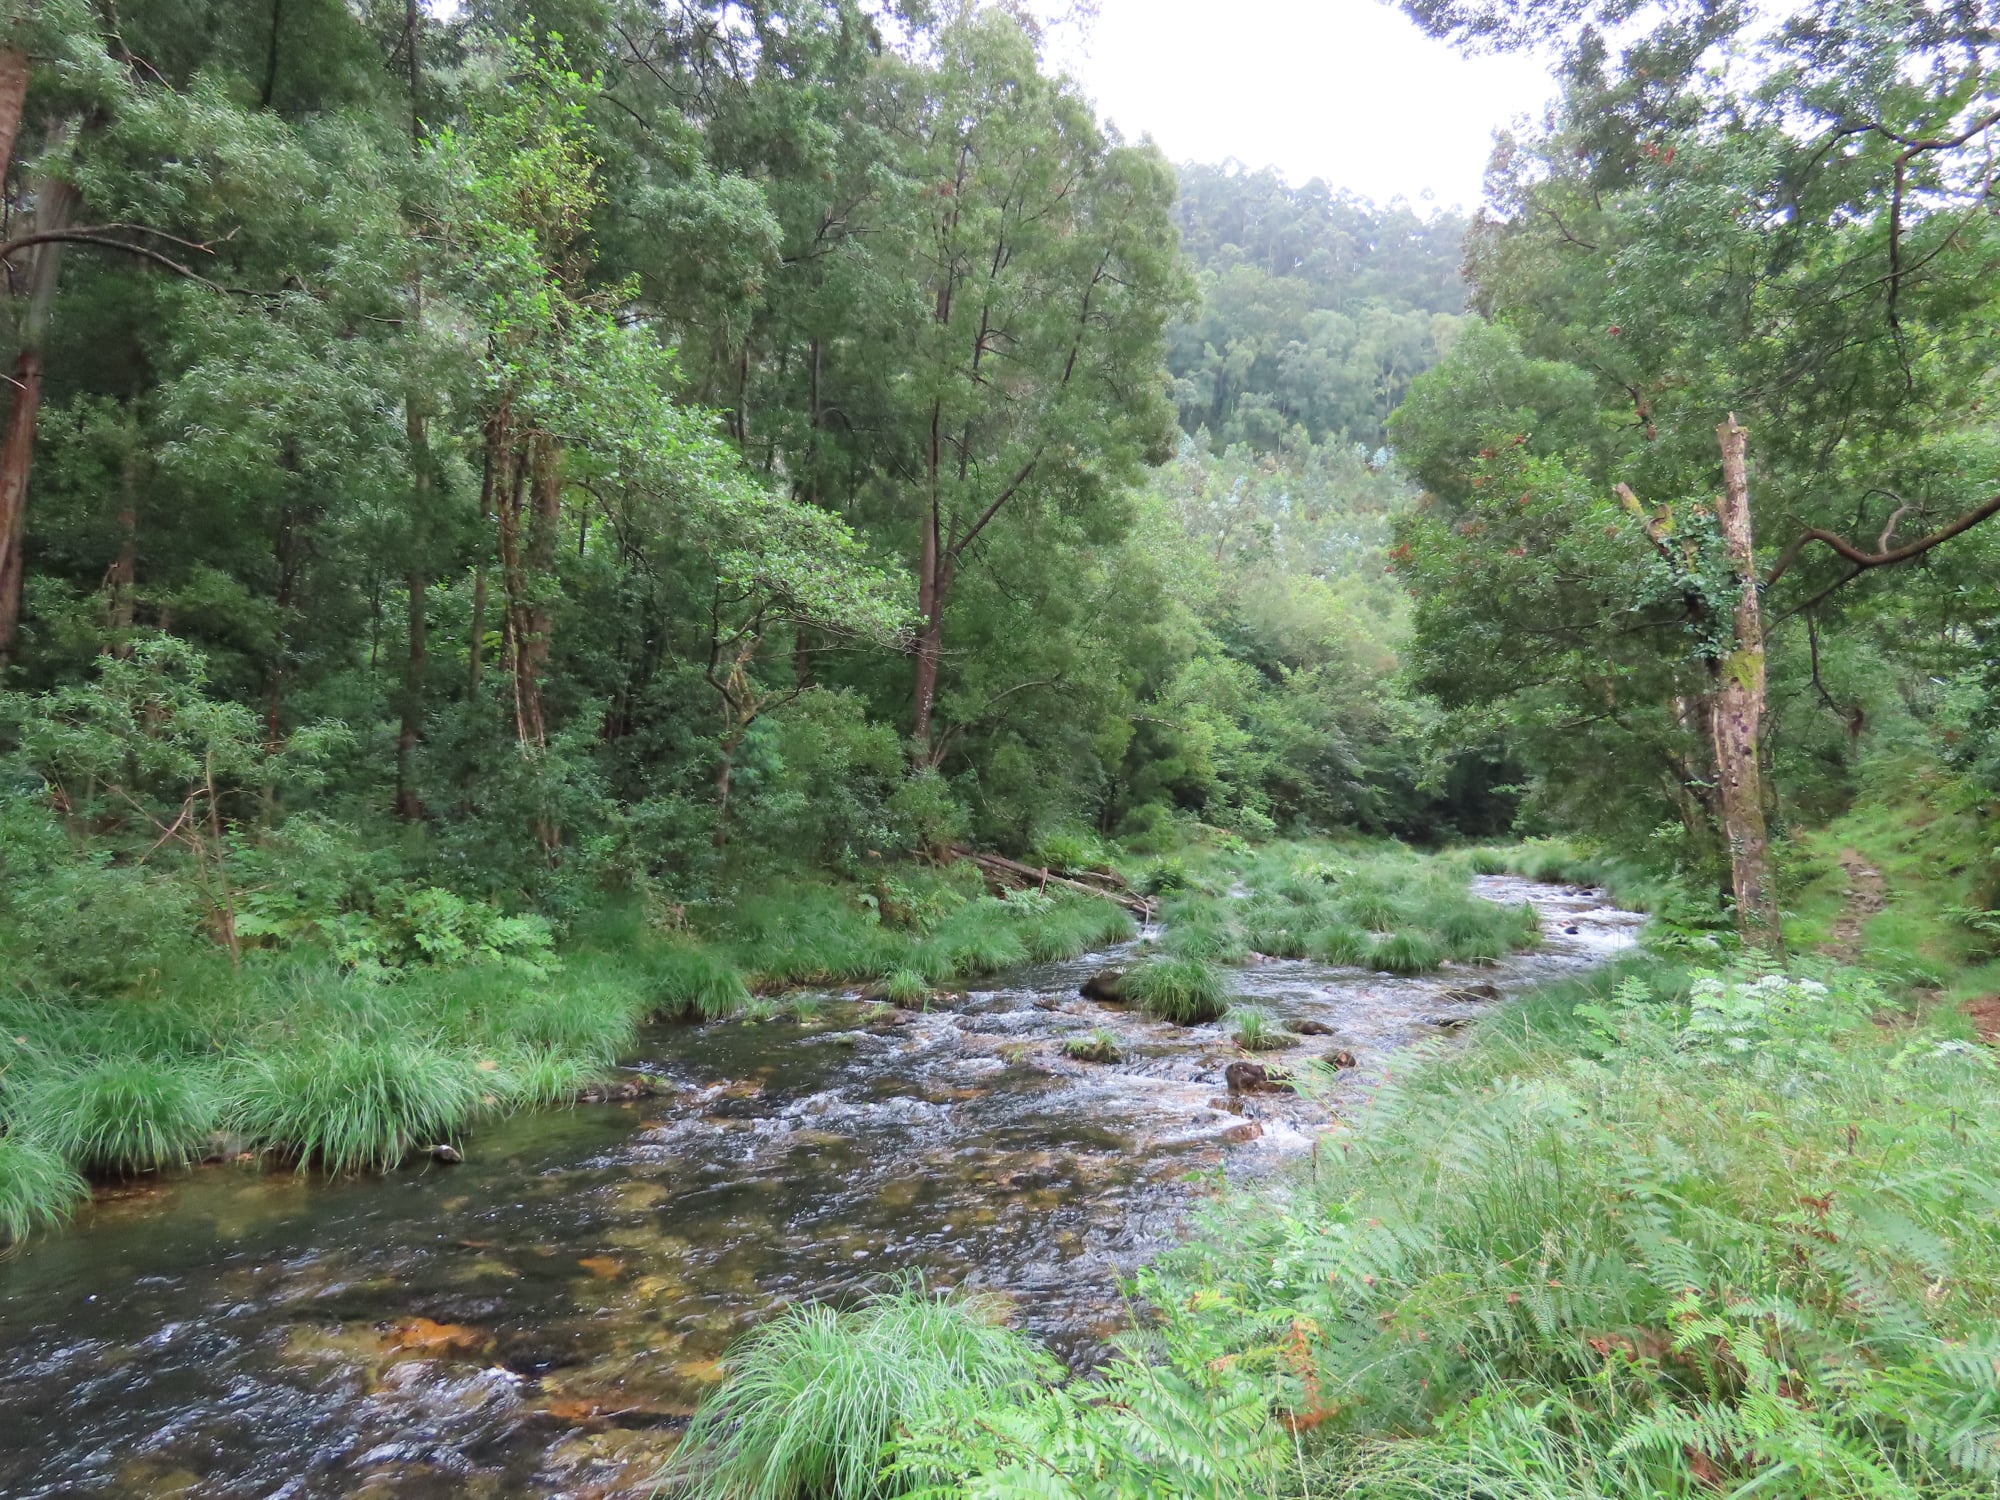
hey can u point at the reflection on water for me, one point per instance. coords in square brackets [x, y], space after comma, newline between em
[541, 1320]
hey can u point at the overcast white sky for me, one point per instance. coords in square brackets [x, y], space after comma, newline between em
[1347, 90]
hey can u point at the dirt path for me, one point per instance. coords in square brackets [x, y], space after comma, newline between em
[1867, 892]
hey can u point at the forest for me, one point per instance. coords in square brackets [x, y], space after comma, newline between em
[539, 540]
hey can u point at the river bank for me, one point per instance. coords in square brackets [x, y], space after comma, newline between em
[543, 1318]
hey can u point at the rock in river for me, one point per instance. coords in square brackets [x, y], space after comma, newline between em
[1106, 986]
[1253, 1078]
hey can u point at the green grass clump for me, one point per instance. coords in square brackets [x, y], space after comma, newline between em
[1185, 991]
[905, 987]
[353, 1102]
[1258, 1031]
[1099, 1046]
[695, 983]
[981, 937]
[1408, 952]
[38, 1187]
[1216, 943]
[128, 1114]
[812, 1397]
[1372, 911]
[1338, 943]
[1280, 935]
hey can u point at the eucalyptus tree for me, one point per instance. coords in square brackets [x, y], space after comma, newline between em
[1768, 222]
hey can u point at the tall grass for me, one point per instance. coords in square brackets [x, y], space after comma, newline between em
[1646, 1238]
[812, 1397]
[38, 1186]
[349, 1102]
[1410, 952]
[1184, 991]
[128, 1114]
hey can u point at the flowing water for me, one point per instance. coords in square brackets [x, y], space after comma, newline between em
[540, 1320]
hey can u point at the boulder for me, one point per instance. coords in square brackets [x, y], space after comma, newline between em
[1237, 1135]
[446, 1155]
[1340, 1057]
[1106, 986]
[1313, 1028]
[1254, 1078]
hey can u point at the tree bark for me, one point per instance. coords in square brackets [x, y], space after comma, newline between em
[1739, 715]
[55, 205]
[13, 96]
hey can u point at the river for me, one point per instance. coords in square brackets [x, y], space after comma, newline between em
[540, 1320]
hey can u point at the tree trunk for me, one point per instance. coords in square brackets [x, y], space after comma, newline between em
[1739, 715]
[121, 578]
[14, 69]
[409, 806]
[55, 204]
[932, 582]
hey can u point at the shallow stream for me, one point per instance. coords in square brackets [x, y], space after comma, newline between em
[539, 1321]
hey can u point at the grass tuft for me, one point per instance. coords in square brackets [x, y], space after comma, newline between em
[128, 1114]
[695, 984]
[1338, 944]
[1182, 990]
[37, 1187]
[1099, 1046]
[812, 1397]
[355, 1102]
[1258, 1031]
[1407, 952]
[905, 987]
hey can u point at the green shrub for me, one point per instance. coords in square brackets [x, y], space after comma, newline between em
[354, 1102]
[37, 1187]
[1338, 944]
[1163, 876]
[1408, 952]
[812, 1397]
[1182, 990]
[127, 1114]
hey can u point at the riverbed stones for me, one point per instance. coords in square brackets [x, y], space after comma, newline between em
[1106, 986]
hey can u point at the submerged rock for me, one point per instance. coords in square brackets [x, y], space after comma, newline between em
[1447, 1023]
[1107, 986]
[1254, 1078]
[1465, 994]
[1313, 1028]
[1249, 1130]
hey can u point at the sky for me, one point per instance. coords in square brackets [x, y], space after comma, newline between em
[1347, 90]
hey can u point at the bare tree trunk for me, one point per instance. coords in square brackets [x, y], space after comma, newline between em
[55, 204]
[1739, 715]
[13, 95]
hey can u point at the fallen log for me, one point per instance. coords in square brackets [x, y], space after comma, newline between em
[1012, 874]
